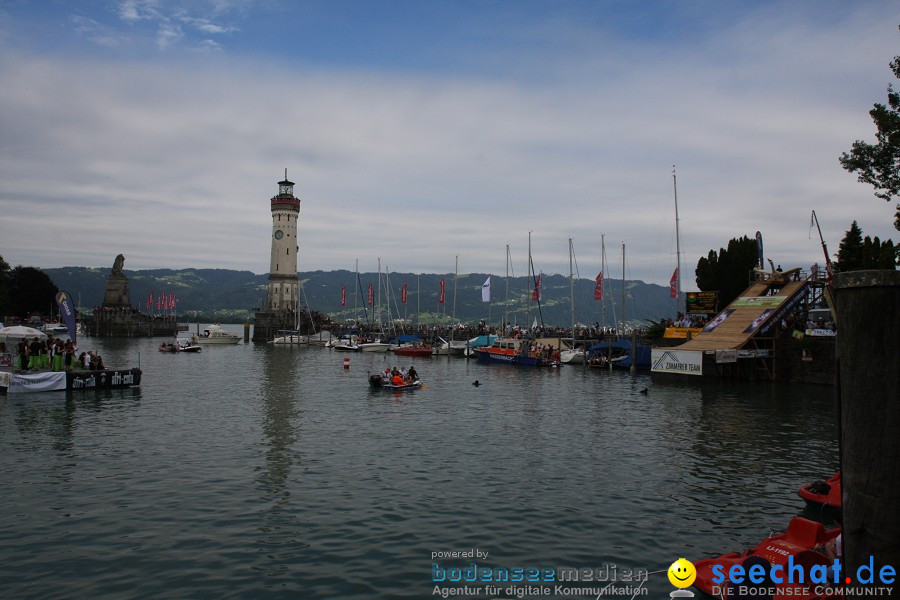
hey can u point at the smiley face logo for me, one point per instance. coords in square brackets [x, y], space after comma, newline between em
[682, 573]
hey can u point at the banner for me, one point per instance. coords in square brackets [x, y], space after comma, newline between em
[344, 296]
[443, 292]
[371, 295]
[673, 284]
[682, 362]
[598, 289]
[536, 294]
[173, 301]
[702, 303]
[150, 300]
[38, 382]
[403, 294]
[67, 312]
[759, 320]
[486, 290]
[759, 250]
[718, 320]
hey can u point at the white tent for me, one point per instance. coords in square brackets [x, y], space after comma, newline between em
[15, 333]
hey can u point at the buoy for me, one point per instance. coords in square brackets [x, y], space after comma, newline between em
[346, 362]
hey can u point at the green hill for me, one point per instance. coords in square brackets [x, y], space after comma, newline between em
[233, 296]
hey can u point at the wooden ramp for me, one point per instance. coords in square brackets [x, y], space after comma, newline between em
[761, 304]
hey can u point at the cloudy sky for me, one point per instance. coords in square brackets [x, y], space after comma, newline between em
[420, 131]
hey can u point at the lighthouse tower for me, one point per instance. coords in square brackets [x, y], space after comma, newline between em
[283, 292]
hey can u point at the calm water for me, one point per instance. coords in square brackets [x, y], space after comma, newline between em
[255, 472]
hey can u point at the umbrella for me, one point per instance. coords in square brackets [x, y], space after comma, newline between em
[18, 332]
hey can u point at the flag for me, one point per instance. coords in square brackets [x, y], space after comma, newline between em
[598, 289]
[403, 294]
[173, 300]
[673, 283]
[67, 312]
[371, 295]
[486, 290]
[443, 291]
[150, 301]
[536, 294]
[344, 296]
[534, 325]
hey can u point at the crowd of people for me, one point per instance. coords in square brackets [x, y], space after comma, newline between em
[532, 349]
[54, 354]
[400, 376]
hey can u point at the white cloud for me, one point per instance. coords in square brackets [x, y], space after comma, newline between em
[172, 165]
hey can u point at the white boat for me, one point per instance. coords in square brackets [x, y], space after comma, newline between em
[572, 357]
[452, 347]
[377, 346]
[345, 344]
[215, 334]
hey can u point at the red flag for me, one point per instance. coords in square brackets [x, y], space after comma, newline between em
[172, 300]
[157, 304]
[150, 300]
[443, 291]
[598, 289]
[344, 296]
[673, 283]
[536, 294]
[371, 295]
[403, 294]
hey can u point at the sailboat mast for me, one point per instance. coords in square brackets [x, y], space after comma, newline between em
[572, 292]
[506, 303]
[528, 271]
[455, 277]
[623, 289]
[603, 269]
[677, 249]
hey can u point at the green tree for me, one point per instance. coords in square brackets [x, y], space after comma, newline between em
[728, 271]
[31, 291]
[856, 253]
[879, 164]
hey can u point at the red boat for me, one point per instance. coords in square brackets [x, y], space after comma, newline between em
[417, 351]
[824, 494]
[804, 541]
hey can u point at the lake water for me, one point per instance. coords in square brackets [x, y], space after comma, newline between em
[254, 471]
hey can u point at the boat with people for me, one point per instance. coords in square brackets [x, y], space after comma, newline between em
[618, 353]
[215, 334]
[516, 351]
[180, 345]
[395, 381]
[806, 543]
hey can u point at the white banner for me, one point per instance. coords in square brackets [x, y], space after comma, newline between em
[682, 362]
[37, 382]
[726, 356]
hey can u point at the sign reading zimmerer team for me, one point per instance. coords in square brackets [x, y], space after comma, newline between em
[682, 362]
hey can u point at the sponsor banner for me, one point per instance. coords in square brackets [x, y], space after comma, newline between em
[37, 382]
[701, 303]
[753, 353]
[4, 379]
[726, 356]
[759, 301]
[681, 333]
[104, 379]
[682, 362]
[759, 320]
[821, 332]
[718, 320]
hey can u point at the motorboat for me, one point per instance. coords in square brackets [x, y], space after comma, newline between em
[215, 334]
[377, 381]
[376, 346]
[510, 351]
[572, 357]
[804, 543]
[415, 350]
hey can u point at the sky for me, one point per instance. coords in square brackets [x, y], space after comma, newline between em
[432, 134]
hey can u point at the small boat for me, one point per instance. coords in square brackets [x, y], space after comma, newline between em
[376, 346]
[188, 346]
[572, 357]
[377, 381]
[413, 350]
[215, 334]
[345, 345]
[825, 495]
[804, 543]
[168, 347]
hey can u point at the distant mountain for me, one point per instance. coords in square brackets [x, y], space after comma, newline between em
[233, 296]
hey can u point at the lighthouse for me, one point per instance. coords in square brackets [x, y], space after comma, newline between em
[283, 289]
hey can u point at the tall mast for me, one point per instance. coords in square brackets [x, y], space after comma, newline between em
[623, 288]
[355, 293]
[506, 303]
[572, 291]
[378, 296]
[677, 249]
[603, 269]
[528, 270]
[455, 277]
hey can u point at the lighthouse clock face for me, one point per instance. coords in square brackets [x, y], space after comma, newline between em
[278, 234]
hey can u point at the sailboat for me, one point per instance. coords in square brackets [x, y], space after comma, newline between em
[572, 355]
